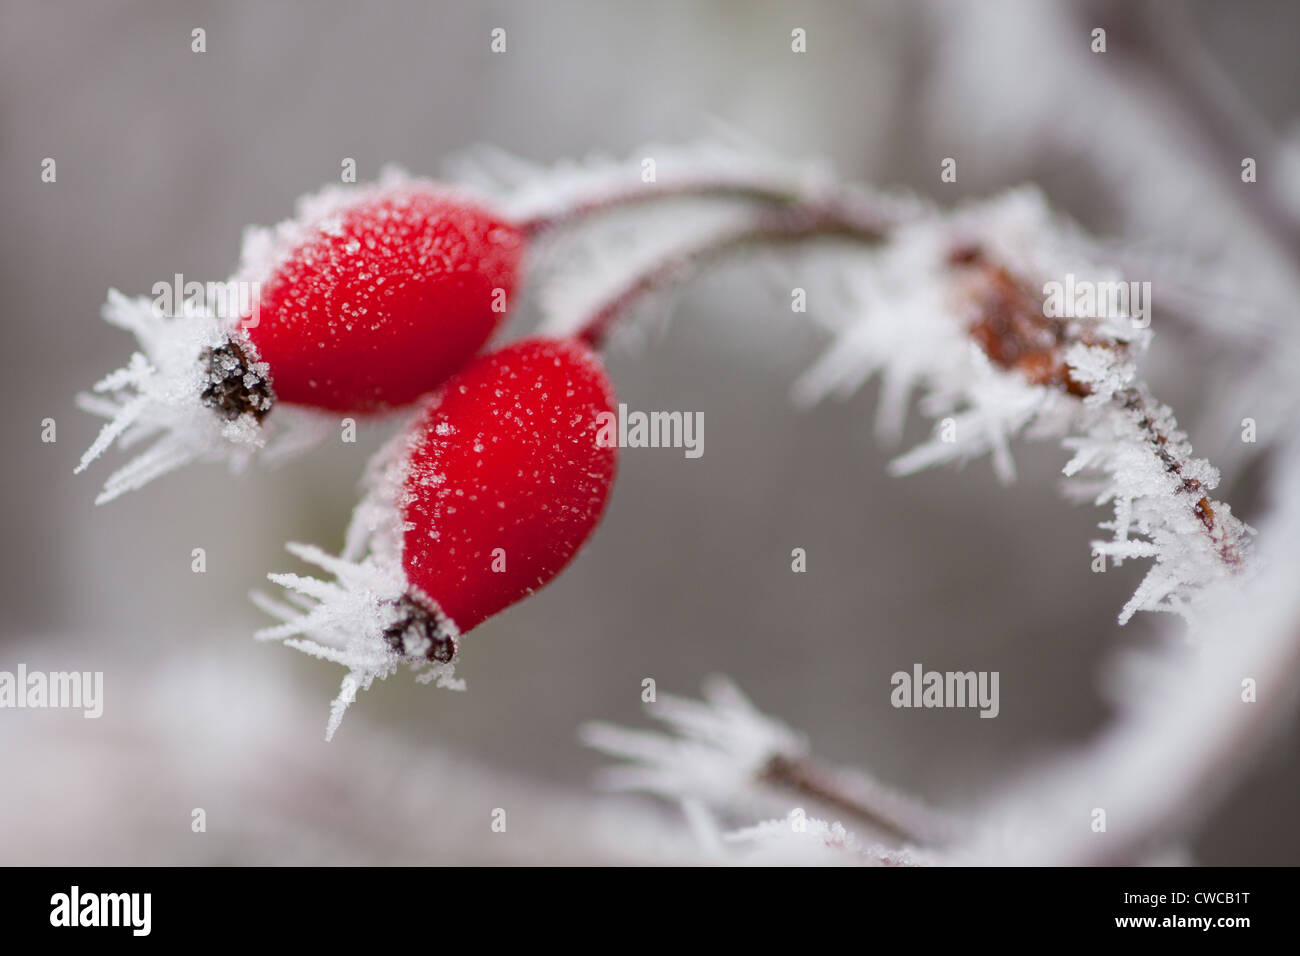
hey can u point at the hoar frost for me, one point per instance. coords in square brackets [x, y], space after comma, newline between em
[361, 619]
[952, 305]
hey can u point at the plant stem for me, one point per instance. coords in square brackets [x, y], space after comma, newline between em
[858, 212]
[847, 215]
[860, 796]
[794, 223]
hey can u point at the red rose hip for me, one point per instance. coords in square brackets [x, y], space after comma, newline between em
[365, 302]
[506, 478]
[383, 299]
[486, 497]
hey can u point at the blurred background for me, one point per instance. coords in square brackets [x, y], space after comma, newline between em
[164, 155]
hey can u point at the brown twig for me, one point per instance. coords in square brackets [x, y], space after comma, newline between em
[1011, 327]
[860, 797]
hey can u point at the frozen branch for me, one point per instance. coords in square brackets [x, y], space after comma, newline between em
[956, 304]
[735, 760]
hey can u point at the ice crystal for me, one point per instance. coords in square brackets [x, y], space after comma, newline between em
[991, 368]
[168, 392]
[361, 619]
[159, 395]
[721, 747]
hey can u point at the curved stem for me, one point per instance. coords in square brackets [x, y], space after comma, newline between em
[794, 223]
[856, 211]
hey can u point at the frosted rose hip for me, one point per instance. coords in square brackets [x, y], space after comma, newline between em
[364, 302]
[385, 299]
[506, 477]
[488, 494]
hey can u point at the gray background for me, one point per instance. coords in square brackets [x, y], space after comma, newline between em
[164, 156]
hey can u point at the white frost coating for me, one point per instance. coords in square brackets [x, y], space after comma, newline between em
[345, 620]
[1211, 261]
[596, 267]
[529, 191]
[803, 840]
[341, 621]
[157, 394]
[723, 743]
[702, 194]
[1152, 517]
[717, 761]
[264, 248]
[909, 318]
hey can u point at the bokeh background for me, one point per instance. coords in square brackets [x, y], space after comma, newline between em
[164, 155]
